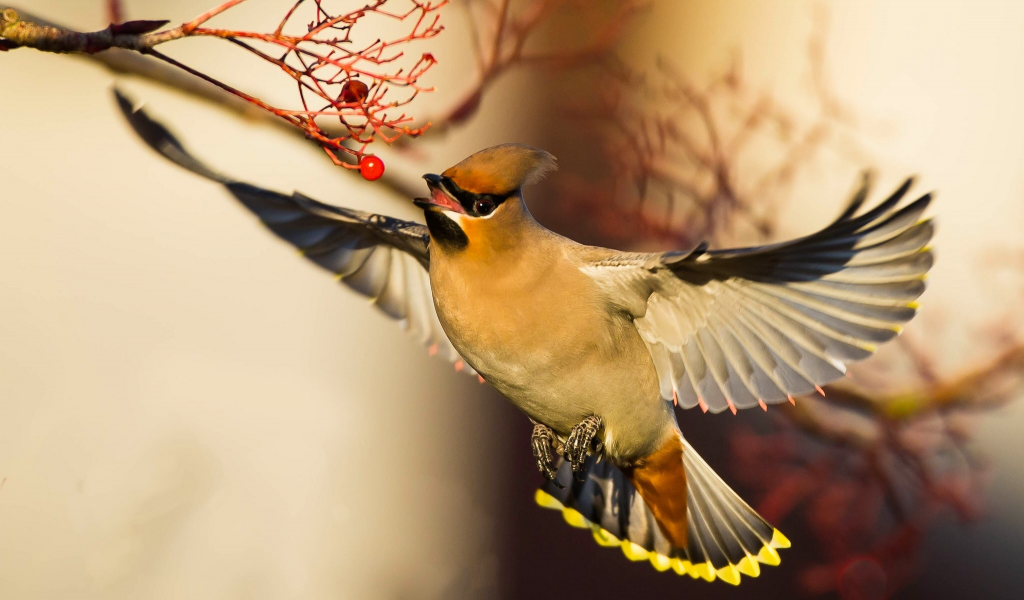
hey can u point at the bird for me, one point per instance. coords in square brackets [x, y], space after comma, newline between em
[598, 347]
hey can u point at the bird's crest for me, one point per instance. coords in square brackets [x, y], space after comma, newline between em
[502, 169]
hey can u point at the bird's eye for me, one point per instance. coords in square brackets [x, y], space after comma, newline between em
[483, 207]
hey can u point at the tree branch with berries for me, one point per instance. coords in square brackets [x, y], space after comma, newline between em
[349, 92]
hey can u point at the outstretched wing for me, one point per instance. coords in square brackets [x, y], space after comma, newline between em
[739, 328]
[382, 258]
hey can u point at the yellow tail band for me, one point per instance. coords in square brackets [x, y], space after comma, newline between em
[731, 573]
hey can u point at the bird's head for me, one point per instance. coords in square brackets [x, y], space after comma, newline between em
[480, 201]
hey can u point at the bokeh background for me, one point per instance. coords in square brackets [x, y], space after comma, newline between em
[188, 410]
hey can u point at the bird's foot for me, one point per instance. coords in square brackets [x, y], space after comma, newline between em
[579, 444]
[543, 442]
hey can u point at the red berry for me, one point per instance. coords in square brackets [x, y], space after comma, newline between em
[354, 91]
[371, 168]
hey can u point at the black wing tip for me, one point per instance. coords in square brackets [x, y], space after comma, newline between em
[868, 177]
[867, 180]
[897, 194]
[158, 137]
[858, 197]
[154, 133]
[885, 209]
[125, 103]
[919, 205]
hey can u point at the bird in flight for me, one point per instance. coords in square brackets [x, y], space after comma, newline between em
[597, 346]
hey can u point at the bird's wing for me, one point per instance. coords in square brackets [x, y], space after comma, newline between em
[739, 328]
[382, 258]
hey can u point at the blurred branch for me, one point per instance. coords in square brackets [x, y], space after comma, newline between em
[986, 387]
[679, 156]
[504, 31]
[908, 451]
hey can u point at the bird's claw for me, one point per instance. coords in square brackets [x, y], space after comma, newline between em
[579, 444]
[543, 443]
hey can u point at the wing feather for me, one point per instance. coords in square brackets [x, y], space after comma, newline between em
[379, 257]
[730, 329]
[741, 372]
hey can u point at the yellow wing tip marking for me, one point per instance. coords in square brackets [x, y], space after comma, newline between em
[660, 561]
[704, 570]
[575, 519]
[769, 556]
[779, 540]
[682, 567]
[729, 574]
[749, 566]
[605, 538]
[546, 500]
[634, 551]
[914, 305]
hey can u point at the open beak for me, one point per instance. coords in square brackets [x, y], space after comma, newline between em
[438, 197]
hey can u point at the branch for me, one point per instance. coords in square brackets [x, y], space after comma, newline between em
[323, 62]
[126, 62]
[16, 32]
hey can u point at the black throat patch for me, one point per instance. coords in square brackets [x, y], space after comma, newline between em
[445, 231]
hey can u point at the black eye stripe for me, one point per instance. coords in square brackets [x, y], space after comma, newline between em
[456, 192]
[468, 200]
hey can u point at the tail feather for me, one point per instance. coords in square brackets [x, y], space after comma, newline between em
[726, 538]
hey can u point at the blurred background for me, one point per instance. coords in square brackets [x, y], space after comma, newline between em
[188, 410]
